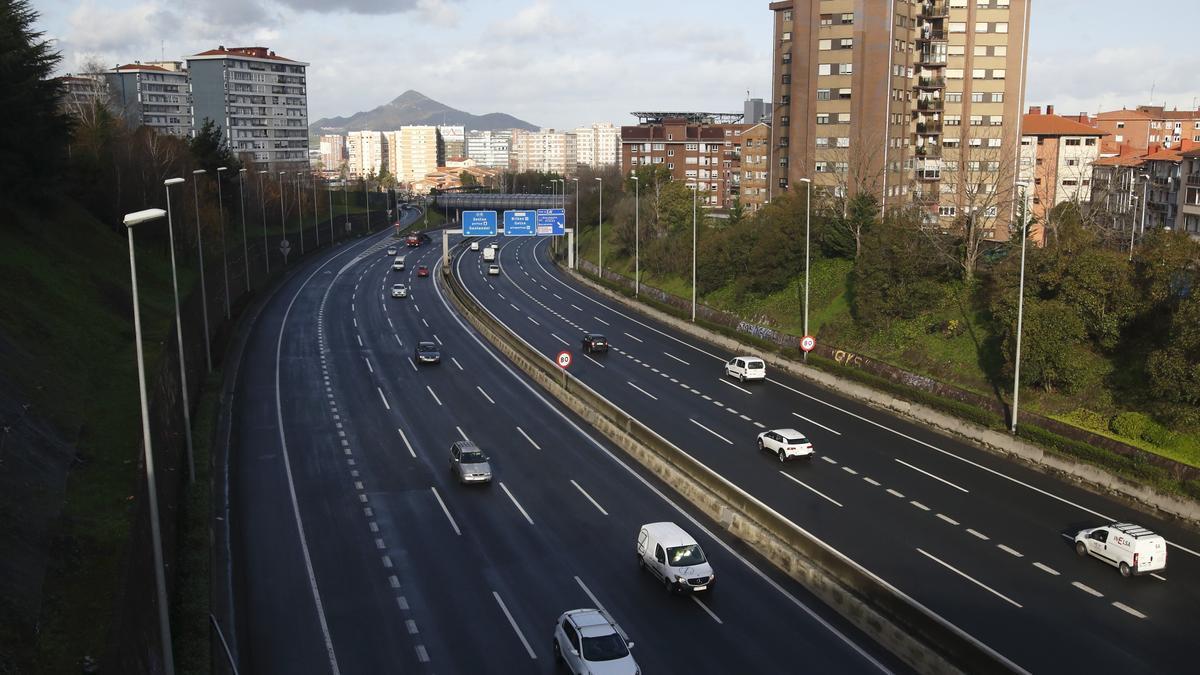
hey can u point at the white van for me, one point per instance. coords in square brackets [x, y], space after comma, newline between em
[489, 254]
[674, 557]
[398, 263]
[746, 368]
[1130, 548]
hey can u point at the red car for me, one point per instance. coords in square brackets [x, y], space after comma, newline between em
[422, 271]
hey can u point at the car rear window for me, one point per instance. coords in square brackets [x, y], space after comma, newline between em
[754, 365]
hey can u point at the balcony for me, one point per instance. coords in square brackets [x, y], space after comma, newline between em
[929, 151]
[931, 83]
[932, 36]
[924, 197]
[1193, 180]
[930, 104]
[935, 10]
[928, 58]
[929, 128]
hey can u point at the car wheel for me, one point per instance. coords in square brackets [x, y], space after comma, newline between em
[557, 652]
[782, 457]
[641, 561]
[760, 444]
[741, 377]
[1081, 548]
[667, 586]
[1125, 570]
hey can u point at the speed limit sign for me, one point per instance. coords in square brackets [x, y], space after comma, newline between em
[807, 343]
[563, 360]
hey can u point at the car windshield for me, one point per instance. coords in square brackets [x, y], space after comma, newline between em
[474, 457]
[604, 648]
[427, 347]
[683, 556]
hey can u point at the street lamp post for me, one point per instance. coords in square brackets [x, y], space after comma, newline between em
[1020, 311]
[160, 580]
[316, 212]
[600, 225]
[245, 244]
[183, 385]
[637, 237]
[329, 194]
[577, 230]
[695, 190]
[282, 222]
[262, 202]
[807, 227]
[300, 213]
[367, 198]
[1145, 177]
[203, 288]
[224, 248]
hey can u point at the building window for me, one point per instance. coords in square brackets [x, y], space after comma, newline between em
[947, 211]
[822, 118]
[846, 43]
[786, 79]
[958, 27]
[1072, 141]
[847, 18]
[954, 97]
[1002, 27]
[787, 15]
[998, 74]
[824, 69]
[979, 74]
[845, 68]
[993, 142]
[823, 94]
[787, 35]
[824, 45]
[826, 19]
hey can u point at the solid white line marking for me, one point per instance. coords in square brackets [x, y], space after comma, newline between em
[485, 394]
[810, 488]
[1129, 610]
[725, 381]
[836, 433]
[669, 354]
[383, 398]
[977, 534]
[1087, 589]
[593, 360]
[706, 609]
[513, 623]
[446, 511]
[559, 339]
[589, 497]
[948, 519]
[601, 320]
[461, 433]
[968, 578]
[919, 505]
[710, 431]
[1011, 551]
[1048, 570]
[531, 442]
[455, 361]
[635, 337]
[369, 368]
[641, 390]
[435, 397]
[932, 476]
[515, 502]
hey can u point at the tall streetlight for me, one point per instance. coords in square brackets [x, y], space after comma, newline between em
[329, 194]
[245, 244]
[637, 238]
[316, 212]
[263, 203]
[367, 198]
[1145, 178]
[183, 385]
[577, 230]
[300, 213]
[1020, 309]
[224, 248]
[282, 222]
[807, 227]
[695, 190]
[160, 579]
[600, 225]
[203, 287]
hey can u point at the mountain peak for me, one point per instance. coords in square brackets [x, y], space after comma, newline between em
[413, 107]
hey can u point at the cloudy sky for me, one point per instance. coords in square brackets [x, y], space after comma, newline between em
[562, 63]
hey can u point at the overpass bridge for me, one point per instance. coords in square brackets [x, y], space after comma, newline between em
[497, 202]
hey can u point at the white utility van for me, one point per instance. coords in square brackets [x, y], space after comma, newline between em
[489, 254]
[746, 368]
[1130, 548]
[674, 557]
[398, 263]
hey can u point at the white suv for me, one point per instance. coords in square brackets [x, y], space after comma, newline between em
[589, 642]
[785, 443]
[746, 368]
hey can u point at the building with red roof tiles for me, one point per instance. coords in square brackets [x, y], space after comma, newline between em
[1057, 155]
[1145, 126]
[258, 99]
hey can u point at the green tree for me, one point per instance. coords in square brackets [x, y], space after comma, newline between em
[33, 140]
[1175, 369]
[467, 179]
[843, 232]
[897, 275]
[1052, 336]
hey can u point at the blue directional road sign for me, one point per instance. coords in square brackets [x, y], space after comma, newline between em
[551, 222]
[479, 223]
[520, 223]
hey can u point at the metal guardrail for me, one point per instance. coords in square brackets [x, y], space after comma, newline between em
[917, 635]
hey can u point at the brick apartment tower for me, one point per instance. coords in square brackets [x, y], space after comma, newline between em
[917, 102]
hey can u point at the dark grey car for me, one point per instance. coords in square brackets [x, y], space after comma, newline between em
[428, 352]
[469, 464]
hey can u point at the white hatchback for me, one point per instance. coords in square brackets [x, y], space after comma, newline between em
[474, 246]
[589, 642]
[493, 270]
[746, 368]
[785, 444]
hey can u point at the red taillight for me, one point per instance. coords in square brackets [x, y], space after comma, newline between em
[1135, 558]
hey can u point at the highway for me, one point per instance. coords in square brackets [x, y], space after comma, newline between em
[980, 540]
[355, 551]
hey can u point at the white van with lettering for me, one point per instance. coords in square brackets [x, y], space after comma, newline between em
[674, 557]
[1130, 548]
[746, 368]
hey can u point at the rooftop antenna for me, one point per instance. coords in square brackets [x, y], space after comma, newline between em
[162, 50]
[1152, 85]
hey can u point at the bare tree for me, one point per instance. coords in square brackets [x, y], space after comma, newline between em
[849, 167]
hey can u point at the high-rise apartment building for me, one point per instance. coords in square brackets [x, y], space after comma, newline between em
[755, 111]
[333, 152]
[756, 167]
[547, 150]
[258, 99]
[454, 142]
[598, 145]
[489, 148]
[701, 149]
[918, 102]
[413, 152]
[365, 153]
[154, 95]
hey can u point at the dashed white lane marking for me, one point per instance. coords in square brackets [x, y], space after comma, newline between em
[369, 368]
[410, 362]
[355, 320]
[601, 320]
[359, 338]
[641, 390]
[514, 306]
[533, 320]
[919, 505]
[422, 655]
[516, 503]
[810, 488]
[390, 324]
[512, 622]
[577, 307]
[373, 527]
[670, 355]
[402, 603]
[461, 433]
[1011, 551]
[593, 360]
[1156, 576]
[745, 417]
[893, 493]
[948, 519]
[383, 398]
[438, 339]
[398, 340]
[872, 481]
[635, 337]
[836, 433]
[456, 362]
[706, 609]
[425, 322]
[435, 396]
[710, 431]
[411, 626]
[591, 596]
[501, 295]
[978, 583]
[828, 459]
[485, 394]
[589, 497]
[741, 389]
[379, 543]
[1087, 589]
[937, 478]
[977, 534]
[1044, 568]
[1128, 610]
[850, 471]
[531, 441]
[446, 511]
[760, 425]
[557, 296]
[559, 339]
[387, 561]
[393, 581]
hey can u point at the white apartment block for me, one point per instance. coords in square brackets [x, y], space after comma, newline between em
[364, 153]
[333, 152]
[598, 145]
[156, 95]
[548, 151]
[258, 99]
[490, 149]
[412, 152]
